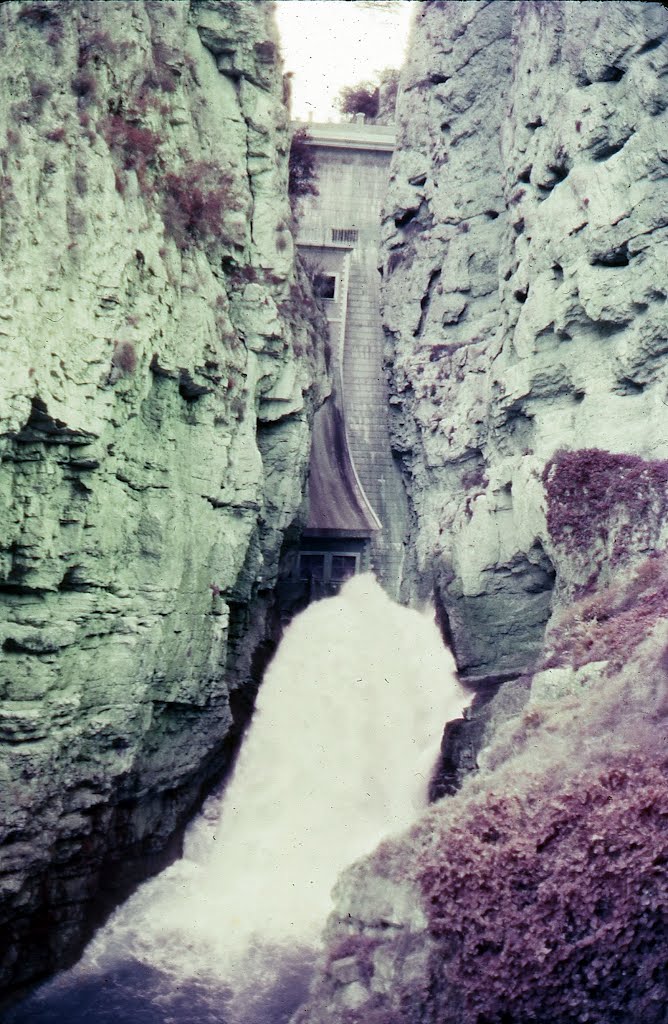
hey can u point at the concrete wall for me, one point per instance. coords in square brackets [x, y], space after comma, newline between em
[353, 169]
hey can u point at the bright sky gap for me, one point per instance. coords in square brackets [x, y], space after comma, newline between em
[328, 44]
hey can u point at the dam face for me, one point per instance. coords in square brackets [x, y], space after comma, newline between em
[339, 239]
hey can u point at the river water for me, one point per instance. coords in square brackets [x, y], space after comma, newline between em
[338, 755]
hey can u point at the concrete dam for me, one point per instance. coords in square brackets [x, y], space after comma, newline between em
[357, 499]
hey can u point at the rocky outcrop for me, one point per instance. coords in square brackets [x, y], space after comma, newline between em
[538, 891]
[525, 249]
[161, 364]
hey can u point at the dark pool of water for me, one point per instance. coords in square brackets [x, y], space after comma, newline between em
[134, 993]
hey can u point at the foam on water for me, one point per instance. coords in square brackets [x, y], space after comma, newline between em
[339, 755]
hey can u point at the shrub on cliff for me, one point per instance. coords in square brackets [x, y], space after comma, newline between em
[545, 883]
[302, 175]
[594, 495]
[609, 625]
[195, 203]
[555, 910]
[134, 146]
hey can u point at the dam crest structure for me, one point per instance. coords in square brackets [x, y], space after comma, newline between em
[357, 502]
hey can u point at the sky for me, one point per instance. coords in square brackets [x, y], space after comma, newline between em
[332, 43]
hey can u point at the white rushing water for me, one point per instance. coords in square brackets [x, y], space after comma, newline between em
[339, 754]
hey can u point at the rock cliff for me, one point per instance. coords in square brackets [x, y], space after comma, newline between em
[525, 258]
[160, 366]
[525, 304]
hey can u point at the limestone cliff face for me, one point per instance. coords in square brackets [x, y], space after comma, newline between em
[158, 379]
[526, 249]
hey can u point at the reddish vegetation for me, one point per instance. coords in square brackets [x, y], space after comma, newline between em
[38, 14]
[302, 180]
[439, 352]
[40, 93]
[134, 146]
[158, 78]
[195, 203]
[99, 45]
[124, 357]
[84, 87]
[554, 911]
[56, 134]
[162, 76]
[611, 624]
[594, 496]
[473, 478]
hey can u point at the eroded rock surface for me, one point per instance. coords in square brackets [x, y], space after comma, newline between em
[526, 249]
[159, 376]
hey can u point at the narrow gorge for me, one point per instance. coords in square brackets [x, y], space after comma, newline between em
[165, 359]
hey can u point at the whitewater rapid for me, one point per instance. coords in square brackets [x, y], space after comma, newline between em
[339, 755]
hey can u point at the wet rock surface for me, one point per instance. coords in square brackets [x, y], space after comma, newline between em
[159, 377]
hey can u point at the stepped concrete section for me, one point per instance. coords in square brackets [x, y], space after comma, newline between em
[339, 238]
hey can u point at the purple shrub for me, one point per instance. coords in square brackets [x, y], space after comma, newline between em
[303, 175]
[595, 496]
[474, 478]
[241, 276]
[195, 203]
[55, 34]
[40, 93]
[161, 76]
[124, 358]
[98, 46]
[133, 146]
[56, 134]
[611, 624]
[84, 87]
[554, 910]
[38, 14]
[157, 79]
[439, 352]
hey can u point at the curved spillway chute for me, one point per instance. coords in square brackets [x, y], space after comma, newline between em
[337, 502]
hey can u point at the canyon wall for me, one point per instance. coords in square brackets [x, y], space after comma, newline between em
[525, 268]
[161, 362]
[525, 260]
